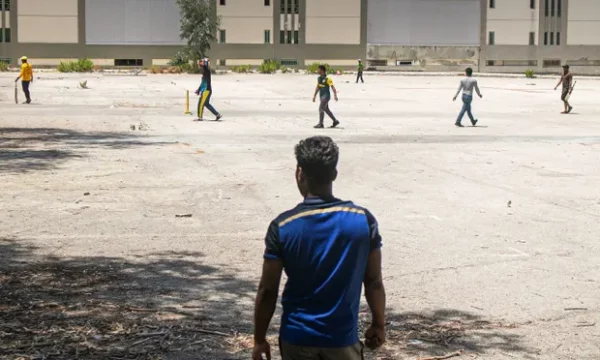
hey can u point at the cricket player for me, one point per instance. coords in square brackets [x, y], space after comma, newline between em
[205, 92]
[324, 83]
[567, 87]
[361, 67]
[467, 85]
[26, 76]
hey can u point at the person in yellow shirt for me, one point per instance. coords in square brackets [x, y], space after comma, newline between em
[26, 77]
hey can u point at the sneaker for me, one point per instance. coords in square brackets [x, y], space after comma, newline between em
[459, 125]
[218, 117]
[570, 108]
[319, 126]
[335, 123]
[474, 122]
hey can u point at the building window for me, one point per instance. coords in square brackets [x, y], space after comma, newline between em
[267, 36]
[296, 37]
[559, 8]
[289, 37]
[7, 35]
[6, 5]
[546, 38]
[267, 2]
[558, 38]
[289, 62]
[492, 38]
[129, 62]
[492, 4]
[552, 38]
[222, 36]
[532, 4]
[222, 62]
[532, 38]
[282, 6]
[222, 2]
[282, 37]
[552, 8]
[297, 7]
[547, 8]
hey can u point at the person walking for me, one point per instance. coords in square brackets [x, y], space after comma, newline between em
[329, 248]
[324, 83]
[467, 85]
[567, 87]
[26, 76]
[361, 67]
[205, 92]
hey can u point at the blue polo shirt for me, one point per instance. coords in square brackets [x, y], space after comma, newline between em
[324, 246]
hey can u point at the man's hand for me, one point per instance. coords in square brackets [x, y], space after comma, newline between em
[260, 349]
[197, 92]
[555, 88]
[314, 99]
[335, 97]
[480, 96]
[454, 98]
[374, 337]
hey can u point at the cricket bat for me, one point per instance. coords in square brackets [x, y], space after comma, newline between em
[570, 91]
[16, 94]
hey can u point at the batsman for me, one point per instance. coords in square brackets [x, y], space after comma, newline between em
[26, 77]
[205, 92]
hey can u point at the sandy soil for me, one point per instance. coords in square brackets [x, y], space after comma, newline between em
[491, 233]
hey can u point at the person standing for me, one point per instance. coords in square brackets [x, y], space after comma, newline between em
[324, 83]
[361, 67]
[567, 87]
[329, 249]
[205, 91]
[467, 85]
[26, 76]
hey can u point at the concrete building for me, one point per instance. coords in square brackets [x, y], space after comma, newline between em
[431, 35]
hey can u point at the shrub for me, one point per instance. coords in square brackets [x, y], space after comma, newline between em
[241, 69]
[285, 70]
[529, 74]
[180, 59]
[81, 65]
[269, 67]
[314, 69]
[155, 70]
[3, 66]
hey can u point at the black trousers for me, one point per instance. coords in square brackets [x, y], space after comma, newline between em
[360, 76]
[25, 85]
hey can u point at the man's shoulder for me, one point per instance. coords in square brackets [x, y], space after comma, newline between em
[303, 208]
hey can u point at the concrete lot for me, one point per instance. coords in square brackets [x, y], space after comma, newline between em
[464, 270]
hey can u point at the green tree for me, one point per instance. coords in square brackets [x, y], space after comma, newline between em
[199, 26]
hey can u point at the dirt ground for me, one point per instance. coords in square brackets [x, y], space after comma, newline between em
[128, 231]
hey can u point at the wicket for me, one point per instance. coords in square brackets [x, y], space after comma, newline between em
[187, 103]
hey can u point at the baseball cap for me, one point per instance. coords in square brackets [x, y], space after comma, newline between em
[23, 57]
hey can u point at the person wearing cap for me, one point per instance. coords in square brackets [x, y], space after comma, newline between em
[26, 77]
[361, 67]
[567, 87]
[205, 91]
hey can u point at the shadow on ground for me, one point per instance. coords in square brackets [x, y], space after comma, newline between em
[31, 149]
[445, 332]
[166, 306]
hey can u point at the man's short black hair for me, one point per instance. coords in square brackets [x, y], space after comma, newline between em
[318, 157]
[322, 67]
[469, 71]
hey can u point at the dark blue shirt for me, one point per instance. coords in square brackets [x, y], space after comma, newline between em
[324, 246]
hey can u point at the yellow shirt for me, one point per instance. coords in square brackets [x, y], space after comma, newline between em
[26, 72]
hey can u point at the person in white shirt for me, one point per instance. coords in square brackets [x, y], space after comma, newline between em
[467, 85]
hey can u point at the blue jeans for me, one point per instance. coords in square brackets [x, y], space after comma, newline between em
[467, 100]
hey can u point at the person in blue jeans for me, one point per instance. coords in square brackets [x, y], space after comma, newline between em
[467, 85]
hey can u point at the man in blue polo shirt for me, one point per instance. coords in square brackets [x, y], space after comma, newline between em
[328, 248]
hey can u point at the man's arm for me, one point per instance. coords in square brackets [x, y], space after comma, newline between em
[560, 82]
[374, 289]
[20, 75]
[460, 86]
[477, 89]
[316, 92]
[266, 299]
[334, 92]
